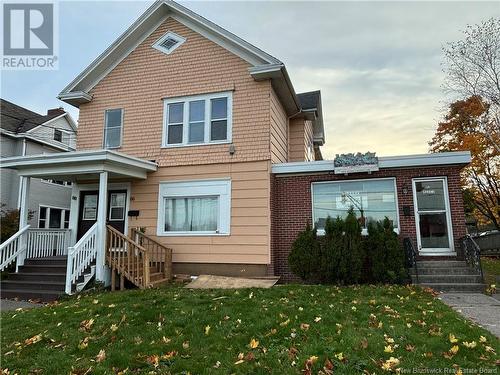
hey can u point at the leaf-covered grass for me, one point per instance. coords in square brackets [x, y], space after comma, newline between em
[491, 269]
[283, 330]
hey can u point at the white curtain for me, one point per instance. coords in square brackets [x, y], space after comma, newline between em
[196, 214]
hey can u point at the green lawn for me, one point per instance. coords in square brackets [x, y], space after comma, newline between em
[283, 330]
[491, 270]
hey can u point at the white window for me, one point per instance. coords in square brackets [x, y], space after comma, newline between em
[169, 42]
[113, 126]
[116, 206]
[201, 207]
[89, 207]
[372, 200]
[200, 119]
[53, 217]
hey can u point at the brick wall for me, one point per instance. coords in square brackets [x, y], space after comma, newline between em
[291, 207]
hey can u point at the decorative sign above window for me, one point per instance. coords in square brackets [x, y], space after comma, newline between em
[355, 163]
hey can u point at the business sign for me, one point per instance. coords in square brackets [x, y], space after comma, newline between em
[30, 36]
[355, 163]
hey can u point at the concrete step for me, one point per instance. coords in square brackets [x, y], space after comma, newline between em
[441, 263]
[36, 295]
[43, 268]
[455, 287]
[448, 279]
[32, 285]
[444, 271]
[29, 276]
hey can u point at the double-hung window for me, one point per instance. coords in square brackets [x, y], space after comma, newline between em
[113, 126]
[201, 207]
[199, 119]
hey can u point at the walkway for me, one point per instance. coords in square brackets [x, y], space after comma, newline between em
[9, 305]
[479, 308]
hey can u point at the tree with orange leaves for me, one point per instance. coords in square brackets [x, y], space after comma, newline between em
[463, 129]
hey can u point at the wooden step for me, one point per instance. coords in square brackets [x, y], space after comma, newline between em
[37, 276]
[43, 268]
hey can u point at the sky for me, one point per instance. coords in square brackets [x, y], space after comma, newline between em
[378, 64]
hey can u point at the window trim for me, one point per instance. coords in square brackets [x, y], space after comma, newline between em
[196, 188]
[47, 216]
[54, 135]
[105, 128]
[364, 231]
[207, 120]
[157, 45]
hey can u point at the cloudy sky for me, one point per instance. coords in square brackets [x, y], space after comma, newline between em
[377, 64]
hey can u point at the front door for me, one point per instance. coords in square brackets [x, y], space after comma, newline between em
[432, 215]
[115, 213]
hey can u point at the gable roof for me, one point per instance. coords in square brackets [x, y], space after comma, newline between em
[17, 119]
[77, 92]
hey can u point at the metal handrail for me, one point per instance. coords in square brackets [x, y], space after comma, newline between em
[411, 255]
[472, 254]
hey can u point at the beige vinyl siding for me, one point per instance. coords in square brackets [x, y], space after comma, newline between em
[296, 140]
[249, 239]
[146, 76]
[279, 130]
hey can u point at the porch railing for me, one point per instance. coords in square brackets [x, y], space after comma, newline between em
[80, 256]
[13, 248]
[472, 254]
[127, 258]
[47, 242]
[160, 256]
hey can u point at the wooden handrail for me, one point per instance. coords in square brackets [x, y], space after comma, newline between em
[160, 256]
[127, 258]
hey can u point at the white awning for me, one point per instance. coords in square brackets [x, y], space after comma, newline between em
[80, 165]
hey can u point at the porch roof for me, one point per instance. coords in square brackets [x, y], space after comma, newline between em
[80, 165]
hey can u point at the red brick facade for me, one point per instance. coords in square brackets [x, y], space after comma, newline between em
[291, 207]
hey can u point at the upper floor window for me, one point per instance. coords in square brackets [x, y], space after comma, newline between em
[169, 42]
[200, 119]
[113, 124]
[58, 135]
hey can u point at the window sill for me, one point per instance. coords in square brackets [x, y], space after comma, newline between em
[196, 144]
[193, 234]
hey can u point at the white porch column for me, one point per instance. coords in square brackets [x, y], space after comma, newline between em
[102, 272]
[73, 213]
[23, 215]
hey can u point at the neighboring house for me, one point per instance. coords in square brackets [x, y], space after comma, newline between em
[24, 132]
[199, 139]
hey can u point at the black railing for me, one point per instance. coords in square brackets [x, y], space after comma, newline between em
[472, 254]
[411, 256]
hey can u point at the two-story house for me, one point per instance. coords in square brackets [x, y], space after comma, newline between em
[199, 139]
[24, 132]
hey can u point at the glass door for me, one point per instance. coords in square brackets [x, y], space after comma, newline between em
[432, 215]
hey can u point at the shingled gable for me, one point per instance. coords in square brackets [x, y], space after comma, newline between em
[263, 65]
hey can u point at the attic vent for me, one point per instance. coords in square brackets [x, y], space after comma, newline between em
[168, 42]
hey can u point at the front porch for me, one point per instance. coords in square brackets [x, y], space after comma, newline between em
[98, 242]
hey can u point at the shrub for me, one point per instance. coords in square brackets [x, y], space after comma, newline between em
[9, 222]
[344, 256]
[304, 259]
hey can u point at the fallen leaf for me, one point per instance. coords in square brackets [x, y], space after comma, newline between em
[101, 356]
[207, 330]
[254, 343]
